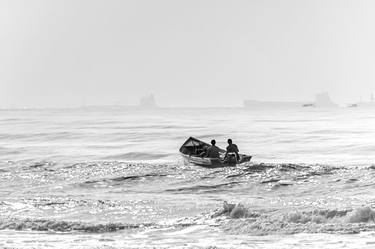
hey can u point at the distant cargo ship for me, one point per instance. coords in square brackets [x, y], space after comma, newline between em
[370, 103]
[321, 100]
[148, 102]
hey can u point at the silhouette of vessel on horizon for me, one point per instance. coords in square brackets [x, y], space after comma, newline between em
[367, 104]
[148, 102]
[321, 100]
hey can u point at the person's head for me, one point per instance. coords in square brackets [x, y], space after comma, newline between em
[213, 142]
[229, 141]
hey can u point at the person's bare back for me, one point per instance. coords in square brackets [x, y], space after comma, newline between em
[213, 151]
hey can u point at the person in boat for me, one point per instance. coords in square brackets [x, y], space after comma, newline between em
[232, 148]
[201, 152]
[213, 151]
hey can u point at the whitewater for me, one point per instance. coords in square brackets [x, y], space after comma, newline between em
[111, 177]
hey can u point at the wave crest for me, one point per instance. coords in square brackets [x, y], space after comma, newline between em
[64, 226]
[244, 220]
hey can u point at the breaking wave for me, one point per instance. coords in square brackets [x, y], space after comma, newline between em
[64, 226]
[243, 220]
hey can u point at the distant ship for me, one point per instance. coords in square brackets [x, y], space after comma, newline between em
[353, 105]
[370, 103]
[148, 102]
[309, 105]
[321, 100]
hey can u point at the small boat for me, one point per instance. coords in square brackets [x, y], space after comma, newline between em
[193, 152]
[309, 105]
[352, 105]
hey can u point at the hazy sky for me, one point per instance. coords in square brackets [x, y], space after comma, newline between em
[188, 53]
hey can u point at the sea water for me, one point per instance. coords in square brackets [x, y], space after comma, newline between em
[113, 178]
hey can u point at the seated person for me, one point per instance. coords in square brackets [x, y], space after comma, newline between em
[199, 151]
[202, 152]
[232, 148]
[213, 151]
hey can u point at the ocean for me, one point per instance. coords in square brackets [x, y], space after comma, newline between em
[112, 177]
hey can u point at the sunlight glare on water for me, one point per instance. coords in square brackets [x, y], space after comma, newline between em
[113, 178]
